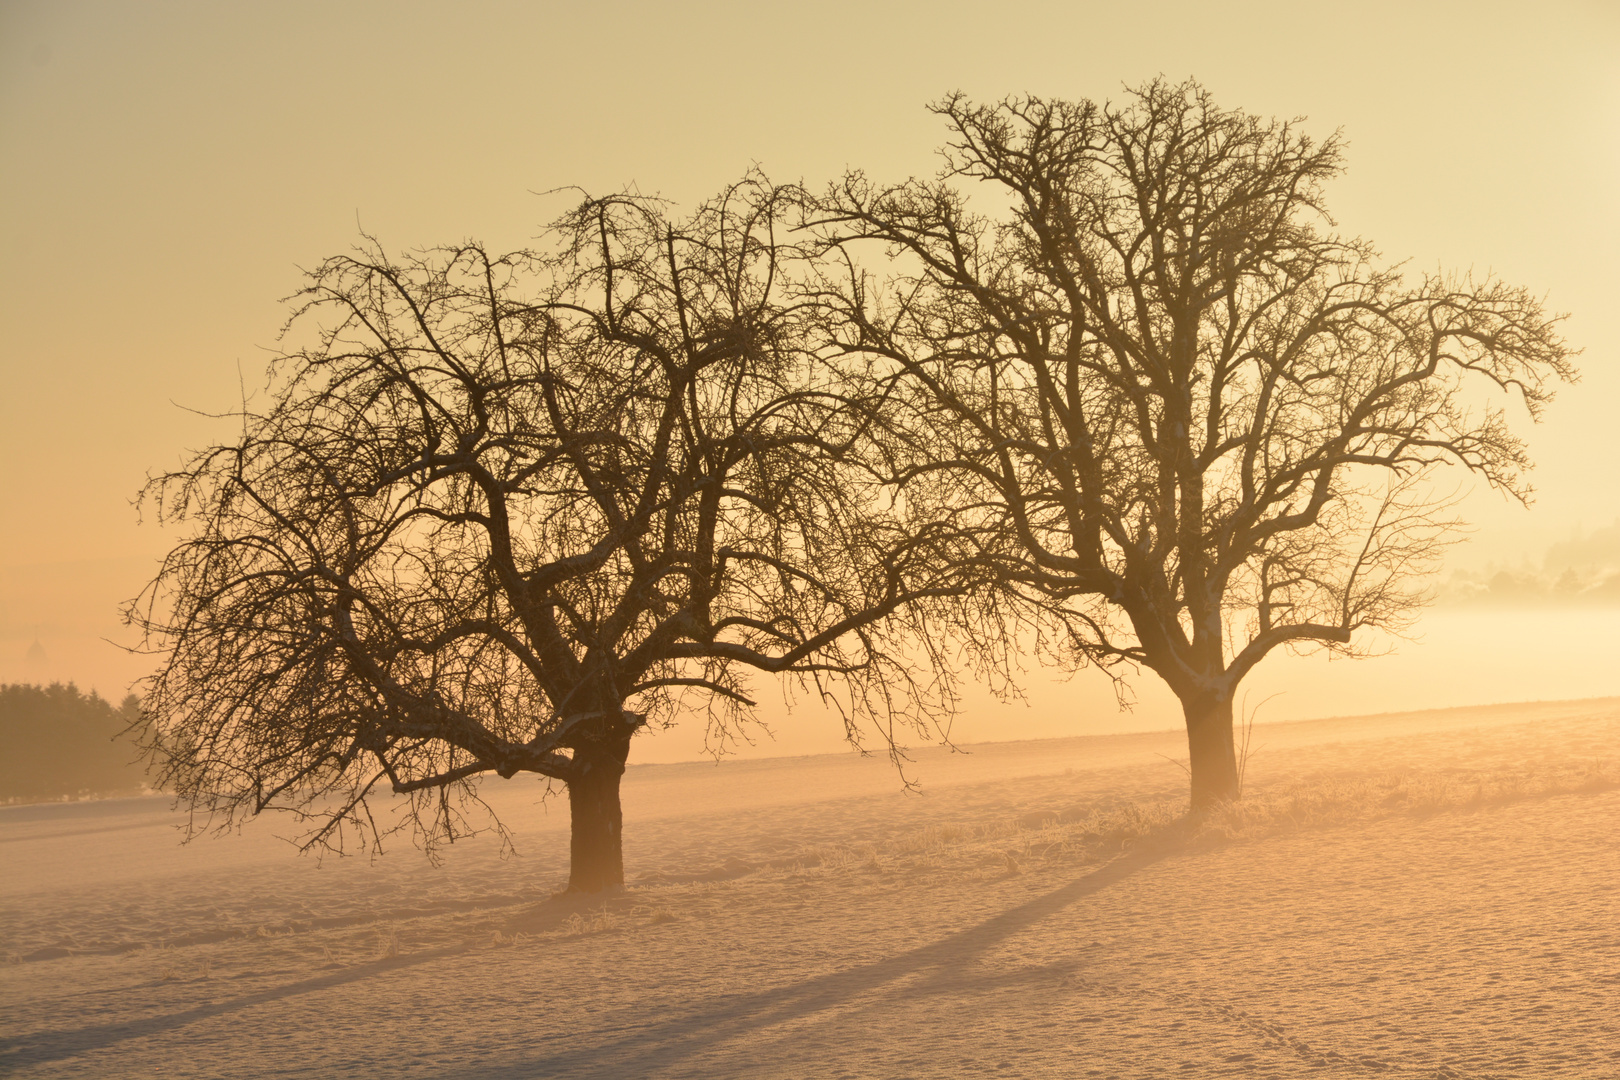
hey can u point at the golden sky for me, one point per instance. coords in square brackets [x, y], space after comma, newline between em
[166, 168]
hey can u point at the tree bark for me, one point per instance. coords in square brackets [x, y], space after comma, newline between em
[1211, 752]
[596, 849]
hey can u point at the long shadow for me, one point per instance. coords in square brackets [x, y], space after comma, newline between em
[43, 1046]
[657, 1043]
[644, 1048]
[300, 926]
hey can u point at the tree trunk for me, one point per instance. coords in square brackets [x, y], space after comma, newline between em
[596, 850]
[1211, 753]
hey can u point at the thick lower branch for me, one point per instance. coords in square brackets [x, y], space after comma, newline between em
[1257, 649]
[408, 786]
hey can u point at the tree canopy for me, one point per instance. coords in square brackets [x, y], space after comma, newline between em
[506, 510]
[502, 512]
[1204, 423]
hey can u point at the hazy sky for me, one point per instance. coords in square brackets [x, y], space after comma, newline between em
[166, 168]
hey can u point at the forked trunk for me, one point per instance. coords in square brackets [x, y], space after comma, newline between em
[1211, 752]
[596, 850]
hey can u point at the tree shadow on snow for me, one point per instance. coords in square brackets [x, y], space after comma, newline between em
[43, 1046]
[639, 1049]
[635, 1049]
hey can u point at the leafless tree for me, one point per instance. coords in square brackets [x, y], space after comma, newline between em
[504, 511]
[1206, 424]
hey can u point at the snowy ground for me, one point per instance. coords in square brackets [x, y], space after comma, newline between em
[1435, 894]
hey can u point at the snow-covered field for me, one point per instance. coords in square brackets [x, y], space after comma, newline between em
[1435, 894]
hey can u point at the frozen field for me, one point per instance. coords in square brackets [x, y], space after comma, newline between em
[1429, 895]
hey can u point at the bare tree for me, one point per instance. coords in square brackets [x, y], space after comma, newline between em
[1206, 424]
[503, 512]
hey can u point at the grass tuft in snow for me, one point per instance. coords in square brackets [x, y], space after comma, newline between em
[596, 922]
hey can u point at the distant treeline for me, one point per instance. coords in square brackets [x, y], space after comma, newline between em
[1525, 587]
[1582, 571]
[59, 743]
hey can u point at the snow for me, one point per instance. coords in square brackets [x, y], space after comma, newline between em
[1027, 914]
